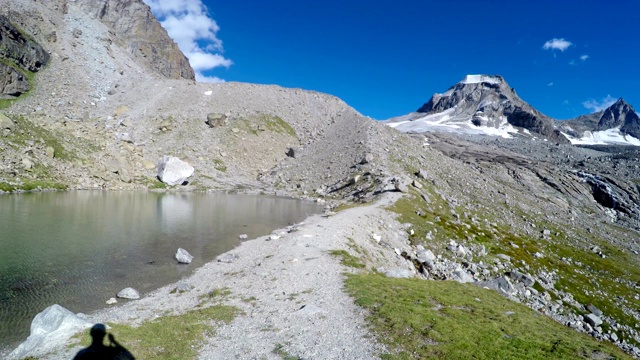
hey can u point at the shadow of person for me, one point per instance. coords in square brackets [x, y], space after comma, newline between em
[99, 351]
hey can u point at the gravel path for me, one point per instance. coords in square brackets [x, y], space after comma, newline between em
[290, 290]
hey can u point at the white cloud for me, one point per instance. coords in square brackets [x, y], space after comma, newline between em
[189, 24]
[572, 62]
[584, 57]
[557, 44]
[595, 105]
[550, 84]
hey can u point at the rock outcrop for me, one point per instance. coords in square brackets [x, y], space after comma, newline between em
[53, 326]
[137, 30]
[18, 54]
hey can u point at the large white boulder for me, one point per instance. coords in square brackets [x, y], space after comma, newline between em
[50, 329]
[173, 171]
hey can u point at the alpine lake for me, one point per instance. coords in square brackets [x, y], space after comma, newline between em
[80, 248]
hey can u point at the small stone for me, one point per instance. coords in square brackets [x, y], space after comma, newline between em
[399, 273]
[6, 123]
[594, 310]
[504, 257]
[28, 164]
[183, 256]
[215, 120]
[112, 301]
[593, 320]
[376, 237]
[227, 258]
[243, 237]
[148, 164]
[50, 152]
[416, 184]
[183, 287]
[129, 293]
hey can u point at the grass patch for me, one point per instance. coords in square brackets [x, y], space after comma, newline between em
[348, 259]
[173, 336]
[6, 103]
[31, 185]
[152, 183]
[26, 130]
[219, 165]
[284, 354]
[255, 123]
[220, 293]
[420, 319]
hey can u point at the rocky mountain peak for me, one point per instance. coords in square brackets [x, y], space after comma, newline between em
[137, 30]
[489, 101]
[621, 115]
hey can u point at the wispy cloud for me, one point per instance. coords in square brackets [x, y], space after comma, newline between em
[550, 84]
[599, 105]
[189, 24]
[557, 44]
[584, 57]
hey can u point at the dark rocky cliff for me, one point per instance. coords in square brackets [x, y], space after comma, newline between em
[18, 55]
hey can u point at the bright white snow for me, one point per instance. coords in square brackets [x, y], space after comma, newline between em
[474, 79]
[444, 122]
[606, 137]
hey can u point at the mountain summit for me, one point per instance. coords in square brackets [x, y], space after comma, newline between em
[617, 124]
[479, 104]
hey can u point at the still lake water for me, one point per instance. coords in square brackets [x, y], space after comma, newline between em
[78, 249]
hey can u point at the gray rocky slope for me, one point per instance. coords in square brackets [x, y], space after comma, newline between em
[100, 117]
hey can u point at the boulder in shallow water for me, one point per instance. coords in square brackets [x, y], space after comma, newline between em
[129, 293]
[173, 171]
[49, 330]
[183, 256]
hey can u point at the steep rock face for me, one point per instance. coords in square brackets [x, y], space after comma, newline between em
[622, 115]
[19, 51]
[139, 31]
[487, 100]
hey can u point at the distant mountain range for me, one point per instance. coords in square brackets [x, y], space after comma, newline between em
[486, 104]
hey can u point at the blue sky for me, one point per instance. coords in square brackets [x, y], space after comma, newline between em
[386, 58]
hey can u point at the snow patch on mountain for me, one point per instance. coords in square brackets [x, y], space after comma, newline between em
[445, 122]
[606, 137]
[475, 79]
